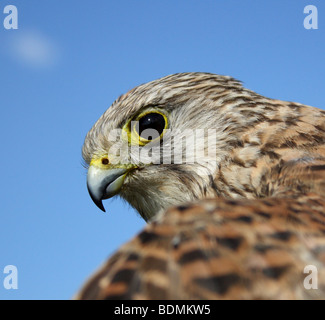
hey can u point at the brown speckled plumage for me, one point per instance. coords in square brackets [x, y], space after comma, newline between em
[245, 229]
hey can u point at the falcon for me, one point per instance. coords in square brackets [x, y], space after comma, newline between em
[231, 184]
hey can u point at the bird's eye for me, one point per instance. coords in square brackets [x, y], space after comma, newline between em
[149, 126]
[105, 161]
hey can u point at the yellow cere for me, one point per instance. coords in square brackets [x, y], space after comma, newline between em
[104, 163]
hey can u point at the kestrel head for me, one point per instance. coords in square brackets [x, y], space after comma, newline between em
[167, 142]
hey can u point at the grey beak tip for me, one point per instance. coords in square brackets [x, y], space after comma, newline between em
[104, 184]
[98, 203]
[102, 208]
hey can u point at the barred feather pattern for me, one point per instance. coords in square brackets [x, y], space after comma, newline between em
[245, 228]
[243, 249]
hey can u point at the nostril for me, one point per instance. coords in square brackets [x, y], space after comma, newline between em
[105, 161]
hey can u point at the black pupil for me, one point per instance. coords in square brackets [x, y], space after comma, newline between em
[151, 126]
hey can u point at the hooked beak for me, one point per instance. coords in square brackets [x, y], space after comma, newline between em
[104, 183]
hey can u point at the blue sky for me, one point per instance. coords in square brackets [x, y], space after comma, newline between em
[64, 66]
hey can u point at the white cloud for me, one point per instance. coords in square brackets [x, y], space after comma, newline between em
[32, 48]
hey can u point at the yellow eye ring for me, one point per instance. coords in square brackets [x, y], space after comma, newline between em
[146, 127]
